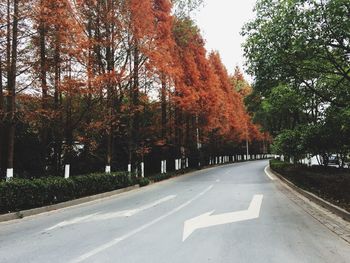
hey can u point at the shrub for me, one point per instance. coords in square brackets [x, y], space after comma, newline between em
[160, 177]
[280, 166]
[143, 181]
[19, 194]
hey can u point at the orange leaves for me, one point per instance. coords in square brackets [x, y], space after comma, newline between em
[141, 17]
[205, 89]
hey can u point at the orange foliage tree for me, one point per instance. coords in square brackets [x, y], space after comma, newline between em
[112, 83]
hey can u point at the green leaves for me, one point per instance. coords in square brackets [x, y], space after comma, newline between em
[300, 41]
[299, 53]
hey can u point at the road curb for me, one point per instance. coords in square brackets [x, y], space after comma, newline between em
[40, 210]
[312, 197]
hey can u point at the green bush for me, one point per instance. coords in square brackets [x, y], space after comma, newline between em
[160, 177]
[280, 166]
[143, 181]
[19, 194]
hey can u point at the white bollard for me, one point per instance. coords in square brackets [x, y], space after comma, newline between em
[9, 174]
[142, 169]
[165, 166]
[66, 171]
[129, 167]
[180, 164]
[161, 166]
[186, 162]
[176, 165]
[216, 160]
[108, 169]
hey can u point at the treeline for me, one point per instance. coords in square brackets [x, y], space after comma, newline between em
[299, 52]
[109, 83]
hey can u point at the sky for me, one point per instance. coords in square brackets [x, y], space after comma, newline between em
[221, 22]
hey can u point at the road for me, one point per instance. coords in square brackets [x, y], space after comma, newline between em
[232, 213]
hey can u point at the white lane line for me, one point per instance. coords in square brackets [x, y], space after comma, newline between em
[71, 222]
[269, 174]
[137, 230]
[106, 216]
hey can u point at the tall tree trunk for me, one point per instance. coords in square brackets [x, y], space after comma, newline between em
[11, 98]
[135, 96]
[164, 108]
[110, 132]
[90, 73]
[1, 119]
[68, 131]
[44, 89]
[134, 124]
[56, 135]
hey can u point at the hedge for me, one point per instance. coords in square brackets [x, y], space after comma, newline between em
[279, 166]
[20, 194]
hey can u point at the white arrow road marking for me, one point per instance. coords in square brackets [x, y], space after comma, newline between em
[208, 220]
[106, 216]
[137, 230]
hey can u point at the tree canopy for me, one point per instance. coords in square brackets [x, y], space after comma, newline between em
[299, 53]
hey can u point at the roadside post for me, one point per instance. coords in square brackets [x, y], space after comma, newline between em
[66, 171]
[9, 174]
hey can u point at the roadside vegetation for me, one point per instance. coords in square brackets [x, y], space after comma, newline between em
[19, 194]
[329, 183]
[299, 53]
[107, 85]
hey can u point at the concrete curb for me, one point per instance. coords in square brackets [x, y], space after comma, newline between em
[40, 210]
[312, 197]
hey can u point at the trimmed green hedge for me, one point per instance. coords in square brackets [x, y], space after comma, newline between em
[19, 194]
[143, 181]
[279, 166]
[161, 177]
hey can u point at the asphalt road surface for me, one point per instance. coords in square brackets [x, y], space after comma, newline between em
[232, 213]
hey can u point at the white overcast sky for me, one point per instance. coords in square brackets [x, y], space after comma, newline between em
[221, 22]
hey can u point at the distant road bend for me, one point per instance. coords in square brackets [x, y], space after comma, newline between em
[232, 213]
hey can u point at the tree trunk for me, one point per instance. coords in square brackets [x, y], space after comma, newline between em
[134, 104]
[1, 119]
[44, 96]
[135, 97]
[110, 96]
[57, 136]
[164, 108]
[11, 98]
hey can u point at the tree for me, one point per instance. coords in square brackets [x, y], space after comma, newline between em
[298, 52]
[302, 43]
